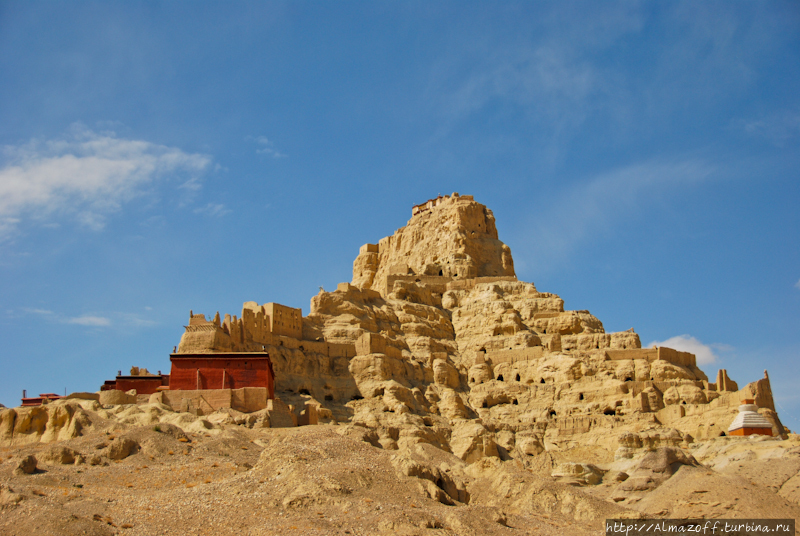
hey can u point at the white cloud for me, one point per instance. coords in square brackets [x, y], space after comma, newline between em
[116, 318]
[87, 320]
[778, 128]
[686, 343]
[212, 209]
[594, 205]
[266, 147]
[84, 175]
[38, 311]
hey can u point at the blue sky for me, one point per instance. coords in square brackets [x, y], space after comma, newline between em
[641, 160]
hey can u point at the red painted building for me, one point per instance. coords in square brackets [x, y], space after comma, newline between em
[225, 370]
[37, 400]
[144, 385]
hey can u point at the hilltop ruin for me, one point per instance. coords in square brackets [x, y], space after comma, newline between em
[435, 338]
[441, 375]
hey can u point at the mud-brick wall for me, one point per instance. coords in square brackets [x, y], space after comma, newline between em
[144, 385]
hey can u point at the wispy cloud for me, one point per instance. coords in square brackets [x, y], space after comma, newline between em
[37, 311]
[95, 321]
[608, 199]
[585, 68]
[265, 146]
[83, 175]
[778, 128]
[686, 343]
[212, 209]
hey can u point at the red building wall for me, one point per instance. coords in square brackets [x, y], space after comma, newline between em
[144, 385]
[221, 371]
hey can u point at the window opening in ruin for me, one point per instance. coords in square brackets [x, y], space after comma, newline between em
[552, 413]
[514, 402]
[517, 378]
[304, 392]
[356, 397]
[441, 272]
[500, 378]
[485, 404]
[628, 379]
[722, 434]
[580, 396]
[541, 381]
[609, 411]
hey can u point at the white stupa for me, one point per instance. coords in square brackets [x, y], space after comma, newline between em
[749, 421]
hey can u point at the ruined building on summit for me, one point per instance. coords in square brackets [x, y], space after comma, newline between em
[436, 340]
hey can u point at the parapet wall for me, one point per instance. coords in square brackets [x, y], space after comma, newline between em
[246, 399]
[437, 201]
[374, 343]
[330, 349]
[651, 354]
[435, 283]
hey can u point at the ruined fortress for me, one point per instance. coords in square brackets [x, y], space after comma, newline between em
[435, 324]
[453, 398]
[436, 341]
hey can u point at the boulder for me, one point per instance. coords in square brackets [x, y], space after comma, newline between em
[27, 465]
[58, 455]
[652, 471]
[120, 448]
[470, 441]
[84, 396]
[8, 497]
[578, 474]
[114, 397]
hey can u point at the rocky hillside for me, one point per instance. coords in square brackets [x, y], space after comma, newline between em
[450, 397]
